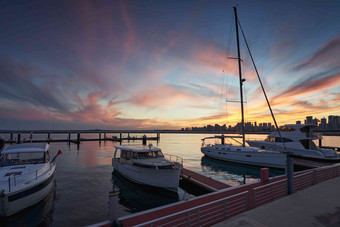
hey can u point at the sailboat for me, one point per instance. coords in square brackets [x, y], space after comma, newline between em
[242, 153]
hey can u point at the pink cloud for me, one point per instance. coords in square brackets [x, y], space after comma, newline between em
[311, 85]
[326, 55]
[160, 96]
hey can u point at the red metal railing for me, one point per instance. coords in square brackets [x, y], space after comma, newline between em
[302, 180]
[252, 196]
[205, 215]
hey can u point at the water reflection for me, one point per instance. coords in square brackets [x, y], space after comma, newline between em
[40, 214]
[232, 173]
[137, 198]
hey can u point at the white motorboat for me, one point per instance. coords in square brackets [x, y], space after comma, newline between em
[242, 153]
[147, 165]
[298, 139]
[26, 176]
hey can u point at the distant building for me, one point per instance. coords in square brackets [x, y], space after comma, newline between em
[309, 120]
[323, 124]
[333, 122]
[298, 122]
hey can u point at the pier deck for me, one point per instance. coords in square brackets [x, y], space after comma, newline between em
[203, 181]
[315, 206]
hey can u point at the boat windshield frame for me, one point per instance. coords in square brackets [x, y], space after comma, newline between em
[24, 158]
[128, 155]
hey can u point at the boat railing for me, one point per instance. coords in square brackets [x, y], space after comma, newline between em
[14, 179]
[174, 158]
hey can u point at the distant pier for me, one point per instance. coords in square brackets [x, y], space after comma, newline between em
[16, 136]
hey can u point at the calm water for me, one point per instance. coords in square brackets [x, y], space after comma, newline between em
[84, 178]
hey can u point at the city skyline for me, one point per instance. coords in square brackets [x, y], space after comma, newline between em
[164, 64]
[333, 123]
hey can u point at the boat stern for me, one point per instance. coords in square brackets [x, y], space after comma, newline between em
[3, 204]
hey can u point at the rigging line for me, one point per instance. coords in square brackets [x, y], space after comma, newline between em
[246, 104]
[264, 92]
[229, 42]
[225, 70]
[221, 89]
[236, 141]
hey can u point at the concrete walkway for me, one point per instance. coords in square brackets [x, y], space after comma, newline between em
[318, 205]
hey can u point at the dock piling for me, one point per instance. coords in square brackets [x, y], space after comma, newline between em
[113, 205]
[144, 140]
[19, 135]
[290, 174]
[2, 142]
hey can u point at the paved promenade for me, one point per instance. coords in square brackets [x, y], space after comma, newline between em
[316, 206]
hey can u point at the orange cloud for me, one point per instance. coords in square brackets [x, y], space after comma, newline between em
[310, 85]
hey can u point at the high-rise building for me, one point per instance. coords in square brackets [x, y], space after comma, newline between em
[323, 124]
[309, 120]
[333, 122]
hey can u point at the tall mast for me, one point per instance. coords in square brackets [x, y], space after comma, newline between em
[240, 76]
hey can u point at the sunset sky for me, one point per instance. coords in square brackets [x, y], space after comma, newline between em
[164, 64]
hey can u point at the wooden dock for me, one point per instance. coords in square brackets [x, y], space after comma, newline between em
[203, 181]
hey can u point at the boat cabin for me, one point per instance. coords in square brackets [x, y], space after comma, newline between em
[142, 156]
[26, 153]
[306, 129]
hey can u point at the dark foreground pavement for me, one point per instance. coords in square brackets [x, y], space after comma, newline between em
[318, 205]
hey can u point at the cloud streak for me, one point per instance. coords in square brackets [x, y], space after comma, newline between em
[327, 55]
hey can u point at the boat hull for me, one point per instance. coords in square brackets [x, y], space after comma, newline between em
[162, 178]
[18, 200]
[256, 158]
[297, 152]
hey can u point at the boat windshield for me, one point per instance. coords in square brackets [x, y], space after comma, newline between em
[150, 154]
[22, 158]
[287, 129]
[278, 139]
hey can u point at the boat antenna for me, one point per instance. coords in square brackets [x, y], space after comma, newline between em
[240, 76]
[264, 92]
